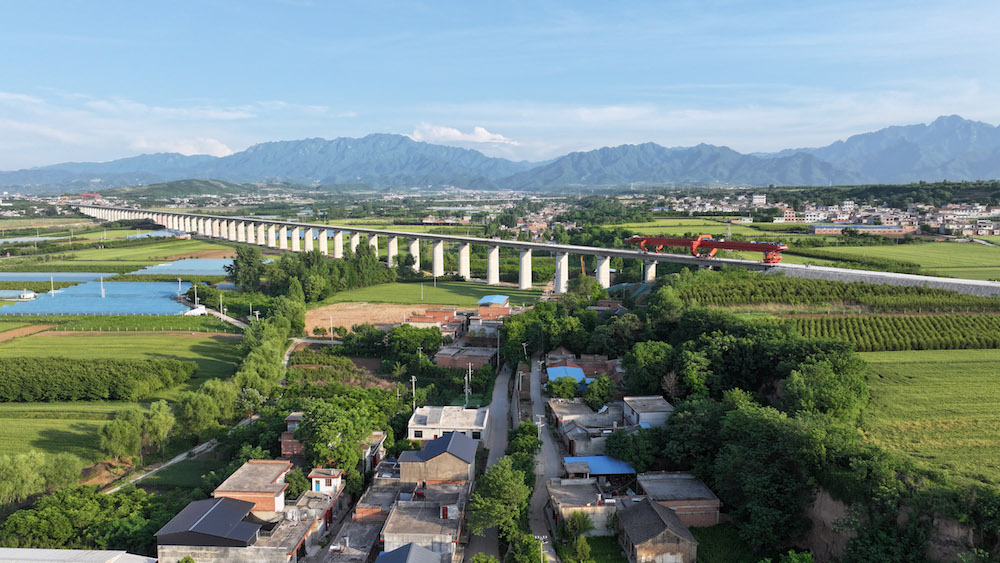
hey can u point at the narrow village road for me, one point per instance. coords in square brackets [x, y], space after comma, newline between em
[497, 443]
[549, 464]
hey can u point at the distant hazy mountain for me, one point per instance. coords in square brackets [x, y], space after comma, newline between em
[651, 163]
[949, 148]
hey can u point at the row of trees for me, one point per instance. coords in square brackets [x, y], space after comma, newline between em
[132, 430]
[875, 334]
[64, 379]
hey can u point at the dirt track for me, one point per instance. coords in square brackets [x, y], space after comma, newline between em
[23, 331]
[349, 314]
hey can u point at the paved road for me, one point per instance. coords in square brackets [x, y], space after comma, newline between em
[497, 443]
[549, 464]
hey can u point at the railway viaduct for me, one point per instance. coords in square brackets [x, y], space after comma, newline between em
[330, 241]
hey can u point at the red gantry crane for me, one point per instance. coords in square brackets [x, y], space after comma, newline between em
[704, 246]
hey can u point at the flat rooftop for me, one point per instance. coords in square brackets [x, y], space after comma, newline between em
[382, 493]
[653, 403]
[451, 417]
[356, 540]
[668, 485]
[573, 492]
[421, 518]
[257, 476]
[563, 408]
[467, 351]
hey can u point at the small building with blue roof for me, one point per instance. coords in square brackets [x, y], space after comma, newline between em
[494, 301]
[596, 466]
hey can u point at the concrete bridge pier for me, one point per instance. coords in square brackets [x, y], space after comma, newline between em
[261, 234]
[464, 261]
[373, 242]
[232, 230]
[309, 240]
[562, 272]
[493, 265]
[283, 237]
[216, 228]
[251, 231]
[241, 231]
[437, 264]
[415, 253]
[296, 240]
[649, 270]
[524, 271]
[338, 244]
[604, 271]
[272, 236]
[355, 241]
[392, 251]
[324, 248]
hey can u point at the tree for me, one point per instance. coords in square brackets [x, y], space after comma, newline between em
[645, 364]
[524, 439]
[295, 291]
[665, 305]
[581, 550]
[225, 394]
[196, 413]
[120, 438]
[293, 310]
[524, 548]
[247, 268]
[563, 387]
[483, 558]
[158, 424]
[501, 495]
[297, 483]
[639, 449]
[587, 287]
[579, 523]
[599, 392]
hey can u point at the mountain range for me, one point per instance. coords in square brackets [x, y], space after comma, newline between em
[950, 148]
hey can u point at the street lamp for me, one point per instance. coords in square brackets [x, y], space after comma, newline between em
[541, 548]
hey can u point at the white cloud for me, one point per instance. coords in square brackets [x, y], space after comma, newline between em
[441, 134]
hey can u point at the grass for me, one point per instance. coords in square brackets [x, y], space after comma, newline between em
[146, 252]
[722, 544]
[216, 356]
[128, 323]
[185, 474]
[606, 549]
[10, 325]
[55, 427]
[452, 293]
[952, 259]
[44, 222]
[672, 226]
[941, 407]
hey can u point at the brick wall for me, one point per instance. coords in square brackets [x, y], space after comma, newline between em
[263, 502]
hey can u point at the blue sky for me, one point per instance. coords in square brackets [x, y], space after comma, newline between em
[525, 80]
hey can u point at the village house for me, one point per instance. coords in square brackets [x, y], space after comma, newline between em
[461, 357]
[647, 411]
[592, 365]
[603, 468]
[431, 422]
[431, 517]
[448, 459]
[693, 502]
[247, 519]
[582, 430]
[649, 532]
[567, 496]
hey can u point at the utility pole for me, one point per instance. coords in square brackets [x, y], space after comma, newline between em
[468, 383]
[413, 383]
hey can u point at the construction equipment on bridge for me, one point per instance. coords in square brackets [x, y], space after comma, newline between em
[704, 246]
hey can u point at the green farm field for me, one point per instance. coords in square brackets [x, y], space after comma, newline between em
[672, 226]
[148, 252]
[951, 259]
[941, 407]
[216, 356]
[55, 427]
[452, 293]
[45, 223]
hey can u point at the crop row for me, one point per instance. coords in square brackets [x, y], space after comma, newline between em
[876, 334]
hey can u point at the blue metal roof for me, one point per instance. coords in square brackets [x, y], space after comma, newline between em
[603, 465]
[567, 371]
[494, 300]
